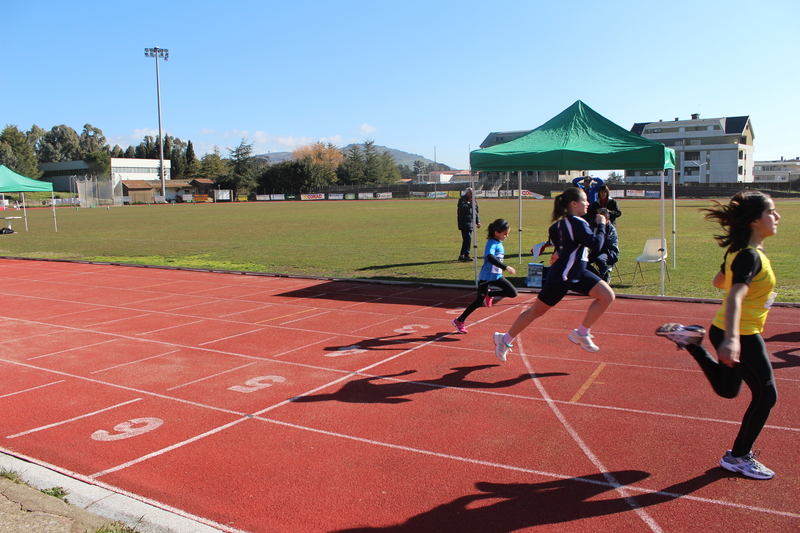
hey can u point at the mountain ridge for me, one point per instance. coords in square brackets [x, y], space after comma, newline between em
[400, 157]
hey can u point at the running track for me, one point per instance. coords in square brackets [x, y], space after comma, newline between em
[274, 404]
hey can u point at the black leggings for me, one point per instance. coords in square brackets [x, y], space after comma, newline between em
[504, 288]
[755, 370]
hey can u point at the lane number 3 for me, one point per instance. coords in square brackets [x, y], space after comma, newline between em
[126, 430]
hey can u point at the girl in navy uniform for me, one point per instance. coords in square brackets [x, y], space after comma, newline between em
[491, 273]
[574, 240]
[748, 280]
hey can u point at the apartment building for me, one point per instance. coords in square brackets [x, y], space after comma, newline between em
[782, 171]
[707, 150]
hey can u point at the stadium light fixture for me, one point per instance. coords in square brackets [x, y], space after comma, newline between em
[163, 53]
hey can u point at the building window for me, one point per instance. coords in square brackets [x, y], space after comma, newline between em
[741, 154]
[694, 142]
[741, 170]
[692, 156]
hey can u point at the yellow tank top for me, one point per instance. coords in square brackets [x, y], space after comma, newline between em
[757, 301]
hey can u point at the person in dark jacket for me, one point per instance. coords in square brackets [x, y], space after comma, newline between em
[604, 200]
[602, 261]
[465, 205]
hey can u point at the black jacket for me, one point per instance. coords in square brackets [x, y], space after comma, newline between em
[613, 211]
[465, 213]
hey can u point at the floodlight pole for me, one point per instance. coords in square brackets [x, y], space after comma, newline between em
[163, 53]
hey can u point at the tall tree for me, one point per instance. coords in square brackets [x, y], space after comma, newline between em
[34, 136]
[147, 149]
[177, 159]
[92, 140]
[20, 156]
[388, 171]
[117, 151]
[130, 152]
[59, 144]
[371, 162]
[212, 166]
[192, 164]
[99, 164]
[319, 153]
[351, 171]
[243, 169]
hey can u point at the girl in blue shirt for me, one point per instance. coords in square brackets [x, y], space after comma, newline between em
[491, 273]
[574, 240]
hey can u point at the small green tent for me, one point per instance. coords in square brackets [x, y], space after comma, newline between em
[11, 181]
[578, 138]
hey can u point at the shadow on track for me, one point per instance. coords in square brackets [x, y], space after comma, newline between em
[366, 390]
[507, 507]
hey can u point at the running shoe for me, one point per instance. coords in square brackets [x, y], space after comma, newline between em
[585, 341]
[682, 335]
[746, 465]
[488, 301]
[501, 349]
[460, 326]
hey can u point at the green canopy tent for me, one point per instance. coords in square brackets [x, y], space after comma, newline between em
[11, 181]
[578, 138]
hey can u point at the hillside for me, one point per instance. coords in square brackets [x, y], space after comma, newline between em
[401, 157]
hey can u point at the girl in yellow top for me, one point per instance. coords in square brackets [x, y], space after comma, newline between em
[748, 280]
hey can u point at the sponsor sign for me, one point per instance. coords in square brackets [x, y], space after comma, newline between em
[349, 196]
[223, 195]
[616, 193]
[438, 194]
[200, 197]
[383, 195]
[634, 193]
[262, 197]
[490, 194]
[652, 194]
[314, 196]
[278, 196]
[187, 197]
[365, 196]
[336, 196]
[418, 194]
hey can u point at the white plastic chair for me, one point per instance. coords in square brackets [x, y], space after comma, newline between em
[652, 254]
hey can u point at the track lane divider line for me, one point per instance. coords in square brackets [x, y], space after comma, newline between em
[67, 421]
[621, 489]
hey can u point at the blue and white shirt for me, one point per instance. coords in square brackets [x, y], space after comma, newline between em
[490, 272]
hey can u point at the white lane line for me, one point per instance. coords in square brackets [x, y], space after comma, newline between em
[621, 489]
[134, 362]
[23, 391]
[67, 421]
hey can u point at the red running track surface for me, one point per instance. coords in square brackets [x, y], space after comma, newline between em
[275, 404]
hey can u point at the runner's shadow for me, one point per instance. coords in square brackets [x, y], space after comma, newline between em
[789, 359]
[503, 508]
[388, 341]
[367, 390]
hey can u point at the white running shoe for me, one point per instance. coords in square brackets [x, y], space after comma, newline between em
[746, 465]
[585, 341]
[501, 349]
[682, 335]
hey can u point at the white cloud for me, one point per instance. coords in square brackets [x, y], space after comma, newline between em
[366, 129]
[207, 131]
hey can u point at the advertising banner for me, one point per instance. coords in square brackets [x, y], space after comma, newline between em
[314, 196]
[278, 197]
[383, 195]
[365, 196]
[652, 194]
[438, 194]
[335, 196]
[349, 196]
[634, 193]
[262, 197]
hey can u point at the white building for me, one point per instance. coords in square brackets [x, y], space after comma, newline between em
[61, 175]
[782, 171]
[707, 150]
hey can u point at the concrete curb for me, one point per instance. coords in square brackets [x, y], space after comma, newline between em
[89, 507]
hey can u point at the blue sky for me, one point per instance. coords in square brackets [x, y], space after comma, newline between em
[428, 77]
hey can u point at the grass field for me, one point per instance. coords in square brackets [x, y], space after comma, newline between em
[414, 240]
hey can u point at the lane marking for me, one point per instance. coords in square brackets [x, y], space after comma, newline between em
[621, 489]
[67, 421]
[32, 388]
[134, 362]
[588, 383]
[290, 314]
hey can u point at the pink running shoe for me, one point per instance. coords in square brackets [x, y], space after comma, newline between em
[460, 326]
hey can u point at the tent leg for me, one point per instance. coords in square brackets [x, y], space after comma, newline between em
[53, 203]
